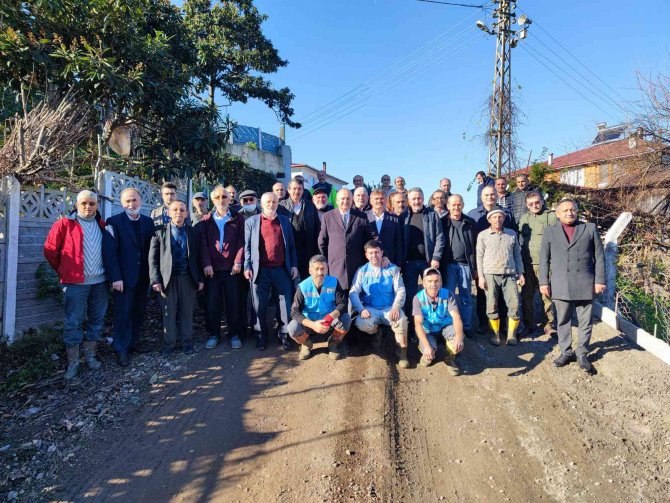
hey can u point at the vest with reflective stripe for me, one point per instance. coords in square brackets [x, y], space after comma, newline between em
[434, 320]
[318, 305]
[377, 291]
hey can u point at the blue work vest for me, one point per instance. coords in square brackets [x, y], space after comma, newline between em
[318, 305]
[435, 319]
[377, 292]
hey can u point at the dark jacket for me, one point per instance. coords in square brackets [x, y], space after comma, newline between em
[64, 249]
[572, 268]
[344, 247]
[213, 253]
[433, 236]
[252, 232]
[517, 203]
[391, 236]
[311, 221]
[160, 255]
[468, 237]
[130, 262]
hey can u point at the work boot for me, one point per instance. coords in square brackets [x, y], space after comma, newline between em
[563, 359]
[90, 351]
[334, 352]
[403, 362]
[584, 363]
[72, 362]
[512, 325]
[377, 338]
[450, 360]
[305, 349]
[495, 337]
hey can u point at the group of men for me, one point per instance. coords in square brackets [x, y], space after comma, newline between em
[324, 260]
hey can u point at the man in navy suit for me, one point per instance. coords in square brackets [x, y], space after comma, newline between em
[385, 227]
[130, 272]
[270, 263]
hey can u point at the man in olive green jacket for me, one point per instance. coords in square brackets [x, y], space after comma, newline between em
[531, 229]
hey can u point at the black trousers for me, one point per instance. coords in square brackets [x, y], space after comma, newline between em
[129, 308]
[223, 287]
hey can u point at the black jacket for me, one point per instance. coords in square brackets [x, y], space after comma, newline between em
[468, 237]
[160, 256]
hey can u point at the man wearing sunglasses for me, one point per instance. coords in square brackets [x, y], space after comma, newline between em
[81, 252]
[531, 228]
[221, 257]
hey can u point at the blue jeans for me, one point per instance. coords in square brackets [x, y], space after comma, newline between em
[84, 302]
[459, 276]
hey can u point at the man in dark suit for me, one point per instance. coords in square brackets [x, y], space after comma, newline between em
[270, 264]
[344, 233]
[132, 233]
[305, 222]
[176, 274]
[572, 273]
[385, 227]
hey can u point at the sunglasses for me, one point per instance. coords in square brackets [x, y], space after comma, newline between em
[248, 199]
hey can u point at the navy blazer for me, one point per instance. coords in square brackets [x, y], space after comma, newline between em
[391, 235]
[130, 260]
[252, 233]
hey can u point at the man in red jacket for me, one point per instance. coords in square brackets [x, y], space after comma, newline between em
[80, 250]
[222, 256]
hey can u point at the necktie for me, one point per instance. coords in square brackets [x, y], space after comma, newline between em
[345, 219]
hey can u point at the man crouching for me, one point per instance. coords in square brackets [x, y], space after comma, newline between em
[436, 315]
[319, 307]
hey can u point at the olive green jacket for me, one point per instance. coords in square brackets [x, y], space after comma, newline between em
[531, 229]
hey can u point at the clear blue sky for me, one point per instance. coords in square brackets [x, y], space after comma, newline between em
[426, 71]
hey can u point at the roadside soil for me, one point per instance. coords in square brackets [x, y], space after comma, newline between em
[259, 427]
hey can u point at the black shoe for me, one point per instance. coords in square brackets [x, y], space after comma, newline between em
[469, 334]
[564, 359]
[260, 343]
[584, 363]
[188, 349]
[122, 359]
[167, 351]
[285, 342]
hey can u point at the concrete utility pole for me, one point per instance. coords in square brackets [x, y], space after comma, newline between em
[500, 124]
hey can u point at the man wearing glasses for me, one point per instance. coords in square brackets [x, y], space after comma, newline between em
[80, 251]
[222, 257]
[439, 203]
[531, 228]
[249, 202]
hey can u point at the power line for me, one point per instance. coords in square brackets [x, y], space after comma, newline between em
[578, 60]
[381, 73]
[586, 79]
[560, 77]
[455, 4]
[352, 108]
[398, 75]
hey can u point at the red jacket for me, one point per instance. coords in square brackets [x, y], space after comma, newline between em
[64, 248]
[213, 253]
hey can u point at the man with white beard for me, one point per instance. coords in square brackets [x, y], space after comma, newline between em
[320, 200]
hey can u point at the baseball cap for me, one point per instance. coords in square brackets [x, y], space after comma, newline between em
[199, 195]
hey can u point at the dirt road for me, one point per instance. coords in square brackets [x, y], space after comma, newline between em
[262, 427]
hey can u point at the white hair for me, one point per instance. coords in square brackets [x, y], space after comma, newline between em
[128, 189]
[358, 189]
[87, 194]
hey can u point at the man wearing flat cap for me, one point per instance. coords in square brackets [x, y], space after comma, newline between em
[320, 200]
[500, 270]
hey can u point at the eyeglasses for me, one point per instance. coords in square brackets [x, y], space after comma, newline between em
[88, 203]
[248, 199]
[534, 203]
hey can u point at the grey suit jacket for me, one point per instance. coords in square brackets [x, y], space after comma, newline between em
[252, 233]
[572, 268]
[160, 256]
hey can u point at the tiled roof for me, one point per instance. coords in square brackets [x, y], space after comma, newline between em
[596, 153]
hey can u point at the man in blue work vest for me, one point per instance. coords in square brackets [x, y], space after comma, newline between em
[378, 296]
[436, 315]
[319, 308]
